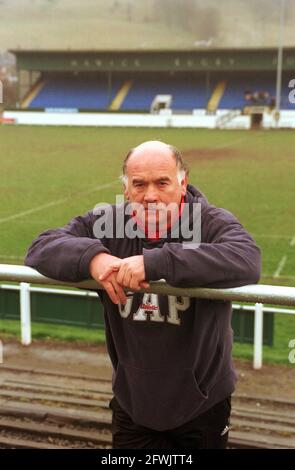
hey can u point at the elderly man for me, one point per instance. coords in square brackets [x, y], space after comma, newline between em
[173, 374]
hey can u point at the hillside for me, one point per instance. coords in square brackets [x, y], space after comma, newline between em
[142, 24]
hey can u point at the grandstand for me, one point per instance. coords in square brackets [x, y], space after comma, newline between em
[128, 93]
[210, 81]
[135, 92]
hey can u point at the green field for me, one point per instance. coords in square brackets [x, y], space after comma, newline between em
[50, 174]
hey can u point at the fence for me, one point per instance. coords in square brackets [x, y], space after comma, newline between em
[73, 307]
[252, 293]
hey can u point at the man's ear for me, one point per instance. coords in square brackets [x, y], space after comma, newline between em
[184, 185]
[126, 194]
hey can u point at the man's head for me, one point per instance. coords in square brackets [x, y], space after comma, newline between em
[155, 176]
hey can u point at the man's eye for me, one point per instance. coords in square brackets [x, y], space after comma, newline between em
[163, 183]
[138, 185]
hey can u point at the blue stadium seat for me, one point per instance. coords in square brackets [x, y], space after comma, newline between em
[82, 92]
[187, 92]
[233, 97]
[285, 103]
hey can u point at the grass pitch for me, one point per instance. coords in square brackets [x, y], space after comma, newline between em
[51, 174]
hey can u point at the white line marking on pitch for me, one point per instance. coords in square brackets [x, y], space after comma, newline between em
[280, 266]
[96, 188]
[292, 243]
[54, 203]
[266, 275]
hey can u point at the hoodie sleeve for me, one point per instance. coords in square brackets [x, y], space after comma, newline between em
[65, 253]
[228, 258]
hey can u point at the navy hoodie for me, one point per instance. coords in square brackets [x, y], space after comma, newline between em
[171, 356]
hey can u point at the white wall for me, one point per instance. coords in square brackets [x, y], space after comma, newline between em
[110, 119]
[196, 120]
[286, 121]
[239, 122]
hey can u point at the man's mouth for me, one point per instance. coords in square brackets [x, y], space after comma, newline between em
[153, 209]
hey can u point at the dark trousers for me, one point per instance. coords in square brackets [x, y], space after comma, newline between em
[208, 431]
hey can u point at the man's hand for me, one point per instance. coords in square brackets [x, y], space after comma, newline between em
[130, 272]
[101, 263]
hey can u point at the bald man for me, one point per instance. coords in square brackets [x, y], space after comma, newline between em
[173, 374]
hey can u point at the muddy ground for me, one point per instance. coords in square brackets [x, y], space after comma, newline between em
[274, 381]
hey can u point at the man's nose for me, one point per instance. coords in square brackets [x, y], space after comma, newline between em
[151, 195]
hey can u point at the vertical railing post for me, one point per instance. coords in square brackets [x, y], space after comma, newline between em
[25, 313]
[258, 336]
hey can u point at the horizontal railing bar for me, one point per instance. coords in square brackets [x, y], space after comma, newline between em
[279, 295]
[251, 308]
[87, 293]
[48, 290]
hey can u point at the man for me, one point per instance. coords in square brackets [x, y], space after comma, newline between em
[173, 373]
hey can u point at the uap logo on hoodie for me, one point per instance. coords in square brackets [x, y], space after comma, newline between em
[149, 309]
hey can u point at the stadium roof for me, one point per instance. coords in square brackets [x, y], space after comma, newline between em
[69, 50]
[245, 59]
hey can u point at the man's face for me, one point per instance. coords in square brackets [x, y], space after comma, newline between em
[153, 184]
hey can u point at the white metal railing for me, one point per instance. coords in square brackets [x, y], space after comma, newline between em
[224, 119]
[259, 294]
